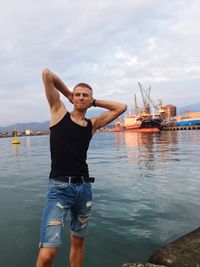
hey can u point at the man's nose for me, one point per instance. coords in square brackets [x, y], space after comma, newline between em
[81, 96]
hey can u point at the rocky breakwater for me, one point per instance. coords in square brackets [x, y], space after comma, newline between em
[182, 252]
[141, 265]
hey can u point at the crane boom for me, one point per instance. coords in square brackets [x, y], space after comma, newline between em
[145, 94]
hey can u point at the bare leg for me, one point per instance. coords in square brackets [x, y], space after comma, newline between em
[46, 257]
[76, 251]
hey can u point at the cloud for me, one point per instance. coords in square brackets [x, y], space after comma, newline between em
[111, 45]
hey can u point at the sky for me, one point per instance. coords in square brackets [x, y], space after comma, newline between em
[110, 44]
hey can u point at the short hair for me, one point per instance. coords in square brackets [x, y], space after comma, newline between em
[83, 85]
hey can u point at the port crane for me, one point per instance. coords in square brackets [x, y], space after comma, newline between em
[146, 95]
[145, 98]
[138, 110]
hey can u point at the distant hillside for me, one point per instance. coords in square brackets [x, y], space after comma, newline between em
[34, 126]
[191, 107]
[41, 126]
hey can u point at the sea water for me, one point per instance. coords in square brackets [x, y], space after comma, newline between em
[146, 194]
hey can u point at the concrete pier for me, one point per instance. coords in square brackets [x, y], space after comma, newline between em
[181, 128]
[182, 252]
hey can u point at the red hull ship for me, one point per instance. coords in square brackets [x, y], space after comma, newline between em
[144, 120]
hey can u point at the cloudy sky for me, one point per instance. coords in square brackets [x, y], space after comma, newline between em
[110, 44]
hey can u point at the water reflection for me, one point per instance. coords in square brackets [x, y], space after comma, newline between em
[168, 146]
[28, 142]
[146, 149]
[139, 146]
[16, 149]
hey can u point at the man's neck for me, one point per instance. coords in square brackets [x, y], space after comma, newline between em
[79, 115]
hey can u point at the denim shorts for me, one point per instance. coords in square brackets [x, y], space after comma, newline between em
[62, 197]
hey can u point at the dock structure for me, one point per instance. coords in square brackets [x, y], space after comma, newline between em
[180, 128]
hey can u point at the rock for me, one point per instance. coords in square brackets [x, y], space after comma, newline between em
[141, 265]
[183, 252]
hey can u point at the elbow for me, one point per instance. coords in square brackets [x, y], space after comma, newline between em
[123, 108]
[46, 74]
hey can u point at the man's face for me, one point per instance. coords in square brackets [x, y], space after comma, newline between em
[82, 98]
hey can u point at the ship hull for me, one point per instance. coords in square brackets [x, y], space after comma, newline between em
[142, 130]
[188, 119]
[153, 125]
[188, 122]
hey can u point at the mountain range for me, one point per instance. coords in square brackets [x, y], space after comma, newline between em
[42, 126]
[191, 107]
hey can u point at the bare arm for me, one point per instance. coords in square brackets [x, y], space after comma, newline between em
[115, 109]
[53, 85]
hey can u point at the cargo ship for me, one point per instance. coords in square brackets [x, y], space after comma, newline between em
[144, 120]
[142, 123]
[188, 119]
[149, 117]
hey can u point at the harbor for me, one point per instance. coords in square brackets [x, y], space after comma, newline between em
[154, 117]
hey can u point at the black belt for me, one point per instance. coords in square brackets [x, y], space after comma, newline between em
[74, 179]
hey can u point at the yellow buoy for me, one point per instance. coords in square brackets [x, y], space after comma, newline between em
[15, 141]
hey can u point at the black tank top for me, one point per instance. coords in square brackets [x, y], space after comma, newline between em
[69, 143]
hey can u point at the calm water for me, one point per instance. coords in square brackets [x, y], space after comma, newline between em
[146, 194]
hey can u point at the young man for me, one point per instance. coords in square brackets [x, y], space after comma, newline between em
[69, 183]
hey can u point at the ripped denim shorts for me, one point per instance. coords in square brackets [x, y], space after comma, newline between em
[62, 197]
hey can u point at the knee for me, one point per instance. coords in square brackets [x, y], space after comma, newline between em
[77, 242]
[47, 256]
